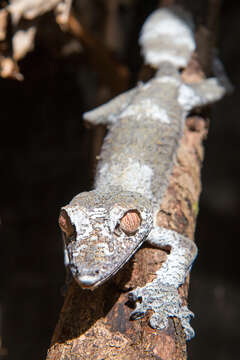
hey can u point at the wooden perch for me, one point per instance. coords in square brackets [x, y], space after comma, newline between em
[95, 324]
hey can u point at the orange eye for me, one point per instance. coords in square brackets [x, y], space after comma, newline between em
[65, 223]
[130, 222]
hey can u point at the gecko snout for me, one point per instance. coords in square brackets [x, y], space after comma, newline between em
[88, 281]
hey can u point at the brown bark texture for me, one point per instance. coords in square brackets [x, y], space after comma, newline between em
[95, 324]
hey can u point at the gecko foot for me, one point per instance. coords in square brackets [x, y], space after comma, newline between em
[165, 301]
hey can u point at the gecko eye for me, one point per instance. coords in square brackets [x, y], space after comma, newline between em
[65, 224]
[130, 222]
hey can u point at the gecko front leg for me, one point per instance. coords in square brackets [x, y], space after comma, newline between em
[161, 295]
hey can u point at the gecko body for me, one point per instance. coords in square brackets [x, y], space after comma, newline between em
[103, 228]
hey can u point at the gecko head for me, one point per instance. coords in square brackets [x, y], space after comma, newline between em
[101, 231]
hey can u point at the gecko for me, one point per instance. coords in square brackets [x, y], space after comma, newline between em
[103, 228]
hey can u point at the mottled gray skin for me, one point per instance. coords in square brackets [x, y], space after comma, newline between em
[98, 249]
[139, 151]
[141, 142]
[145, 126]
[143, 145]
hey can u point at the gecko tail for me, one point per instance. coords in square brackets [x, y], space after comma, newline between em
[167, 36]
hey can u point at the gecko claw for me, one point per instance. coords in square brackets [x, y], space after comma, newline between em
[165, 301]
[137, 314]
[133, 297]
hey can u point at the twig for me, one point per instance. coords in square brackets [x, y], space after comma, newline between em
[94, 324]
[111, 72]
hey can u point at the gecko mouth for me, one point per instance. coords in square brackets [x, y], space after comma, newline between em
[87, 281]
[91, 282]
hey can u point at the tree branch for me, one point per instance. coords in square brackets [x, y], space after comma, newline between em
[95, 324]
[114, 74]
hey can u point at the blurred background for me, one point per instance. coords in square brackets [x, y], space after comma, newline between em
[49, 77]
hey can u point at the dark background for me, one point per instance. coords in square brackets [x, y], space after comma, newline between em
[46, 160]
